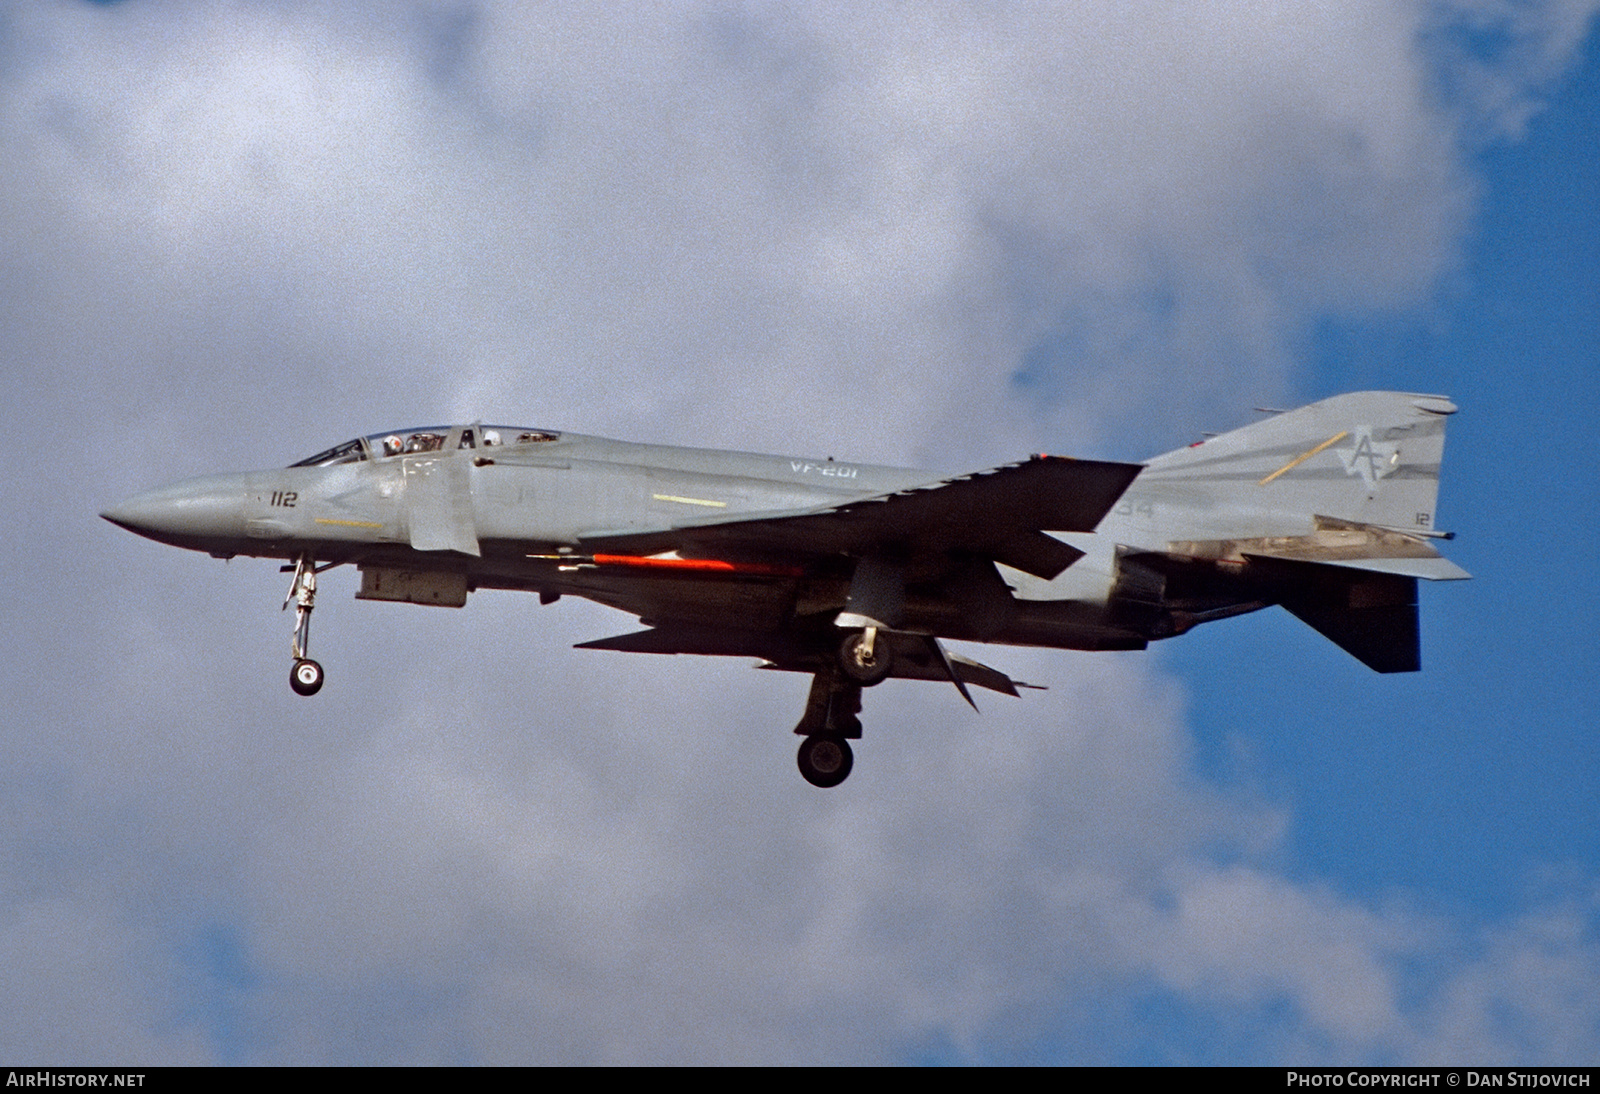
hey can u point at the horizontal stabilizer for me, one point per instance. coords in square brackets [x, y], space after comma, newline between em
[1345, 544]
[1437, 568]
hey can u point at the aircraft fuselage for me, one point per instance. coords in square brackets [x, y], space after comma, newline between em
[509, 515]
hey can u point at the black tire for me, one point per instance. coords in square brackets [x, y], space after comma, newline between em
[825, 761]
[306, 677]
[858, 665]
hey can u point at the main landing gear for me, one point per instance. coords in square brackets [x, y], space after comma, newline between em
[864, 657]
[825, 761]
[831, 719]
[306, 676]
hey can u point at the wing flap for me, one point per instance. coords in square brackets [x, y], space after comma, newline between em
[1035, 553]
[980, 675]
[913, 657]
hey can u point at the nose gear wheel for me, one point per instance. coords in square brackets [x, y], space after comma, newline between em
[306, 677]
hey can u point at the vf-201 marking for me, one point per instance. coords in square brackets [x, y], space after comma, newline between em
[829, 470]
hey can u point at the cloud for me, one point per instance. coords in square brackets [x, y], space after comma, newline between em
[80, 986]
[1525, 993]
[936, 233]
[965, 217]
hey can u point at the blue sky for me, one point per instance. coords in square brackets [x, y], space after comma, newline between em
[942, 235]
[1478, 773]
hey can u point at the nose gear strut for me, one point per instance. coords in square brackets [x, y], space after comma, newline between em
[306, 676]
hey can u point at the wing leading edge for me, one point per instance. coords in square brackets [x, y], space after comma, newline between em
[1002, 514]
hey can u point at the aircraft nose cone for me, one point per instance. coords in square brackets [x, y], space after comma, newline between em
[196, 514]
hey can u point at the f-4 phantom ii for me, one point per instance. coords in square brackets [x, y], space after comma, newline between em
[855, 573]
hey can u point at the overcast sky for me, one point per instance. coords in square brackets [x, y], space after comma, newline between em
[934, 234]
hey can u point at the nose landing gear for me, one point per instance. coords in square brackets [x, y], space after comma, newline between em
[306, 676]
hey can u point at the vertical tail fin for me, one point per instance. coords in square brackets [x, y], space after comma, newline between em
[1327, 510]
[1369, 458]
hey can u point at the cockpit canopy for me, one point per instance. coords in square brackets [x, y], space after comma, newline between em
[432, 438]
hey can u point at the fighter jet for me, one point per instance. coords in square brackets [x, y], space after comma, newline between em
[854, 573]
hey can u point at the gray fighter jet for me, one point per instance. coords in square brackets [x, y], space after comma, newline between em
[854, 573]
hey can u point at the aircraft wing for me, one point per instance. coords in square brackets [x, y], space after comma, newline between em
[1002, 514]
[914, 656]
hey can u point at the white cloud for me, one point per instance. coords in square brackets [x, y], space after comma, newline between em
[1527, 993]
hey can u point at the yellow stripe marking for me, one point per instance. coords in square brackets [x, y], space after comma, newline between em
[690, 501]
[348, 523]
[1304, 456]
